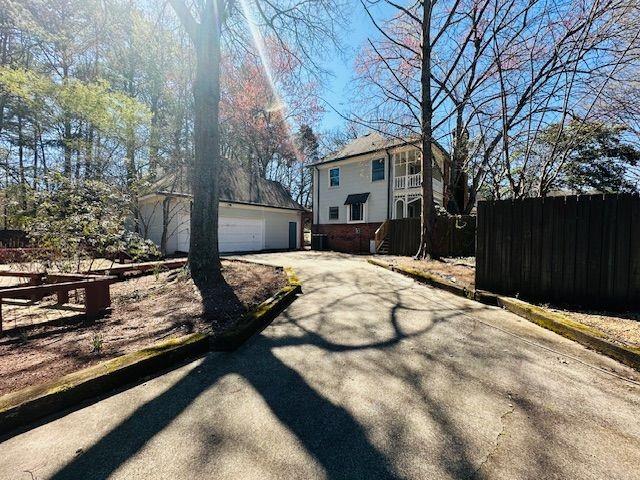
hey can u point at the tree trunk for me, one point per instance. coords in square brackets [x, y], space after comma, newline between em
[21, 174]
[428, 207]
[66, 139]
[204, 258]
[154, 139]
[459, 158]
[166, 208]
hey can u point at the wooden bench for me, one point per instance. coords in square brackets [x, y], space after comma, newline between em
[96, 299]
[121, 270]
[35, 278]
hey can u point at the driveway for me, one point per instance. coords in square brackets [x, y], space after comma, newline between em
[368, 375]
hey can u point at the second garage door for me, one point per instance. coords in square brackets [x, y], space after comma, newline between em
[240, 234]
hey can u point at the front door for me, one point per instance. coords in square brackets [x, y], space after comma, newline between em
[293, 235]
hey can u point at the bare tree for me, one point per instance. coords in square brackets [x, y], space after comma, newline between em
[296, 28]
[502, 71]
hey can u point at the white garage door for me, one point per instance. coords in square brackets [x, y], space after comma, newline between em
[240, 234]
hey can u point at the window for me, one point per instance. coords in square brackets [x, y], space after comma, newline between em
[334, 177]
[356, 211]
[377, 169]
[334, 213]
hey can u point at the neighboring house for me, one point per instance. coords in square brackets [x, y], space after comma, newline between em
[255, 214]
[370, 180]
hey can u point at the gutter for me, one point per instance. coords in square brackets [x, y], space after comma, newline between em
[346, 157]
[221, 200]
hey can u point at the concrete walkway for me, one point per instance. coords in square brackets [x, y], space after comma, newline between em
[368, 375]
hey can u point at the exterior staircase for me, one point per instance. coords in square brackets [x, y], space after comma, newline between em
[383, 248]
[382, 238]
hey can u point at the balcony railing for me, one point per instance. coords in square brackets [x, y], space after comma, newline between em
[408, 181]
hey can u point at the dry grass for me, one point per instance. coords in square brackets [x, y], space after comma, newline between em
[145, 310]
[620, 328]
[460, 271]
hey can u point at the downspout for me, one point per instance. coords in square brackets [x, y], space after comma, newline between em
[316, 181]
[386, 151]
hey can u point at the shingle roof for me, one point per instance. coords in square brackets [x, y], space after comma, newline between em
[367, 143]
[371, 142]
[236, 186]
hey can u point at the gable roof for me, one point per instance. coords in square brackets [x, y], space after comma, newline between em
[369, 143]
[236, 186]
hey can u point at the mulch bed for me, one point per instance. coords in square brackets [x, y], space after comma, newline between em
[146, 310]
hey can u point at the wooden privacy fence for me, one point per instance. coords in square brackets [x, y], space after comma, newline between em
[453, 236]
[580, 250]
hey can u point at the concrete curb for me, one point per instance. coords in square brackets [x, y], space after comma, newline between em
[556, 322]
[429, 279]
[260, 317]
[32, 403]
[572, 330]
[25, 406]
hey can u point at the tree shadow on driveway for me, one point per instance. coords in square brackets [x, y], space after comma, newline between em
[327, 431]
[341, 445]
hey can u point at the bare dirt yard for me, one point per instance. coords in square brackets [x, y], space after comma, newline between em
[620, 328]
[145, 310]
[460, 271]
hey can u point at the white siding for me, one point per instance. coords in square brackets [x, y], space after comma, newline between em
[355, 177]
[276, 222]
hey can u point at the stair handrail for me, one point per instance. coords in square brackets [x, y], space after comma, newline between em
[381, 233]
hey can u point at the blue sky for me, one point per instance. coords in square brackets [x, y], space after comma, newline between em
[339, 89]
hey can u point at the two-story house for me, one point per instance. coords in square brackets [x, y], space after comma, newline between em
[370, 180]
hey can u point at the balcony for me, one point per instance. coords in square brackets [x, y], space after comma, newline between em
[407, 181]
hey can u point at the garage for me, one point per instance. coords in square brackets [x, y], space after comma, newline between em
[254, 214]
[240, 234]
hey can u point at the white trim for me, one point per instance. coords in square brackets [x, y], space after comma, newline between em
[364, 214]
[334, 187]
[245, 206]
[221, 203]
[376, 153]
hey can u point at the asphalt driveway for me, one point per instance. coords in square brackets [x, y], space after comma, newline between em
[368, 375]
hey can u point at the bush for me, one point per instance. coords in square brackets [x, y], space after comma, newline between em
[85, 221]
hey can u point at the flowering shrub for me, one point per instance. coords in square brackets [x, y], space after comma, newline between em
[85, 220]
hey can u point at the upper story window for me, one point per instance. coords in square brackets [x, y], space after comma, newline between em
[334, 213]
[377, 169]
[334, 177]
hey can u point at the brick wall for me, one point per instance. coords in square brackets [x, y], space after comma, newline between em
[350, 238]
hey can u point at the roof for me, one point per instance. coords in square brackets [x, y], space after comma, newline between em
[354, 198]
[236, 186]
[369, 143]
